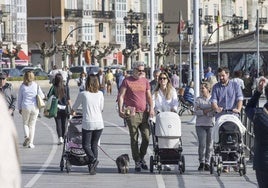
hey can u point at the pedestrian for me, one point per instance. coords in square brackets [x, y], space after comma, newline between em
[27, 106]
[259, 117]
[10, 173]
[101, 76]
[92, 102]
[61, 91]
[52, 73]
[204, 124]
[247, 91]
[226, 98]
[188, 94]
[175, 80]
[118, 74]
[209, 73]
[109, 77]
[165, 98]
[135, 105]
[154, 82]
[81, 81]
[7, 90]
[237, 78]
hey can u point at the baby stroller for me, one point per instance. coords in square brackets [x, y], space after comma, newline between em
[167, 145]
[73, 153]
[228, 145]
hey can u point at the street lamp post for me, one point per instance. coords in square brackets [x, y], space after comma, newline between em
[163, 31]
[132, 39]
[52, 26]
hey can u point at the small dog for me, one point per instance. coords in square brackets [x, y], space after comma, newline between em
[122, 163]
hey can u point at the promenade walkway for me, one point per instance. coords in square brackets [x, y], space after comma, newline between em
[40, 166]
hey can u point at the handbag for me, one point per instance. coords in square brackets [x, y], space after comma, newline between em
[51, 108]
[39, 101]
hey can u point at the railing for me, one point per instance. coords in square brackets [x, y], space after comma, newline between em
[249, 136]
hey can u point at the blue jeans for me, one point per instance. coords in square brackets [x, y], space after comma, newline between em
[90, 139]
[204, 134]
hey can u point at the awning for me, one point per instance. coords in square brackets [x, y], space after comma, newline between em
[23, 56]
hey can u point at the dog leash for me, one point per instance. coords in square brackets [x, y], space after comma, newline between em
[106, 154]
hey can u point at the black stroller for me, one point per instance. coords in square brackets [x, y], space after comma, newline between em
[73, 153]
[228, 145]
[167, 144]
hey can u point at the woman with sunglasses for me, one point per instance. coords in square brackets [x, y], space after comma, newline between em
[165, 98]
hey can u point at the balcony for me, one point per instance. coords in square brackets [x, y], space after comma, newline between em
[209, 19]
[71, 14]
[160, 17]
[102, 14]
[262, 21]
[8, 37]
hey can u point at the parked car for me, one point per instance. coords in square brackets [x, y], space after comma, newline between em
[36, 70]
[12, 72]
[86, 69]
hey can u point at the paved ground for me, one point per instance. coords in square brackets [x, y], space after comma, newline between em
[40, 166]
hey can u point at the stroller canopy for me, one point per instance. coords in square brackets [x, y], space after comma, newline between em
[168, 124]
[227, 118]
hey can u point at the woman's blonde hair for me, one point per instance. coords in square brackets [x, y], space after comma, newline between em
[28, 77]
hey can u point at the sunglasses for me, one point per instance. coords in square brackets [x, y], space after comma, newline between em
[140, 70]
[162, 78]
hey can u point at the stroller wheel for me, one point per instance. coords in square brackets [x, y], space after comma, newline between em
[211, 165]
[152, 164]
[68, 166]
[182, 164]
[244, 165]
[181, 112]
[61, 164]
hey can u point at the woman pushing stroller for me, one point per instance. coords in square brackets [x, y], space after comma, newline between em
[165, 98]
[92, 102]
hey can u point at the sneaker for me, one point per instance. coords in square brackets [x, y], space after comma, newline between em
[207, 167]
[60, 141]
[93, 166]
[26, 142]
[201, 167]
[137, 166]
[167, 168]
[143, 165]
[31, 146]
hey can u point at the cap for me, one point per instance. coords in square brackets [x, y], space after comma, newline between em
[3, 75]
[246, 73]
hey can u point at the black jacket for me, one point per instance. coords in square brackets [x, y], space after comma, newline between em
[259, 116]
[9, 95]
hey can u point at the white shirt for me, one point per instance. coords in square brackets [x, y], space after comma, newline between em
[92, 105]
[161, 104]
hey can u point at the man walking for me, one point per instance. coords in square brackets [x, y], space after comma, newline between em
[135, 106]
[7, 90]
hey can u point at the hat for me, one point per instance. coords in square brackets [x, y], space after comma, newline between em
[3, 75]
[246, 73]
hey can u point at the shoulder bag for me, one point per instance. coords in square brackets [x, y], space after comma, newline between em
[39, 101]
